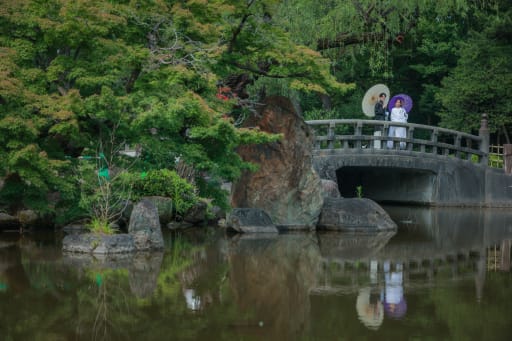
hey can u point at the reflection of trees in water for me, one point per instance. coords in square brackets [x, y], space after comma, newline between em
[179, 269]
[466, 319]
[39, 293]
[111, 288]
[103, 305]
[12, 274]
[243, 287]
[101, 322]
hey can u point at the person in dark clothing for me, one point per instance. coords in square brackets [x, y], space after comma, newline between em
[381, 115]
[380, 111]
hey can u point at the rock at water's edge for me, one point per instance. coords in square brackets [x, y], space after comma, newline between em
[250, 220]
[354, 214]
[96, 243]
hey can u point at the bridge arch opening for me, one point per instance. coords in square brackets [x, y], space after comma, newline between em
[388, 184]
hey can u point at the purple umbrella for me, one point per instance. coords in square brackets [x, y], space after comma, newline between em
[396, 311]
[406, 102]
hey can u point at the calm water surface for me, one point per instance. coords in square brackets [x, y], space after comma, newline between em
[444, 276]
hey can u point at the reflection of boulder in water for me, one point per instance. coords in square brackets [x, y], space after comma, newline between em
[353, 246]
[270, 278]
[143, 267]
[144, 271]
[86, 261]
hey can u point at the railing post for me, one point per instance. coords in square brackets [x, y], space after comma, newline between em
[410, 136]
[507, 158]
[433, 138]
[458, 140]
[358, 132]
[483, 132]
[469, 145]
[330, 135]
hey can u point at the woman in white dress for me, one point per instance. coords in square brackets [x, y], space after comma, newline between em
[398, 114]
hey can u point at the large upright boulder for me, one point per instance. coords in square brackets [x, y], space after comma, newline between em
[164, 206]
[285, 185]
[145, 226]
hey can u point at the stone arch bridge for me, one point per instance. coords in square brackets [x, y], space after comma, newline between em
[430, 166]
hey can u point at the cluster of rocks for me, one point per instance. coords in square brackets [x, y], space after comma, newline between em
[337, 214]
[144, 234]
[144, 222]
[286, 193]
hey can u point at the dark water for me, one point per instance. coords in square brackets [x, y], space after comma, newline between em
[444, 276]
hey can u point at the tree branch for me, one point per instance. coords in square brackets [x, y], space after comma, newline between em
[239, 28]
[263, 71]
[133, 77]
[345, 39]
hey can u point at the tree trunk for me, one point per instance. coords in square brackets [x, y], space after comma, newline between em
[297, 107]
[326, 102]
[505, 132]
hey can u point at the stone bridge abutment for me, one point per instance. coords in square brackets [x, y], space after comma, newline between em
[408, 179]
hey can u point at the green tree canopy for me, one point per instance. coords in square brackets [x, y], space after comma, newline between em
[74, 72]
[481, 80]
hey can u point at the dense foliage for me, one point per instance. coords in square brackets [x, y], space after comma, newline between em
[452, 57]
[75, 73]
[176, 78]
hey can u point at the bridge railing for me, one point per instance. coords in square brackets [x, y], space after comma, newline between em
[349, 134]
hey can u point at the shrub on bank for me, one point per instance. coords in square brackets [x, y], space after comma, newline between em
[165, 183]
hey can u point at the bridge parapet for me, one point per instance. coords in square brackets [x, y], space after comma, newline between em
[350, 134]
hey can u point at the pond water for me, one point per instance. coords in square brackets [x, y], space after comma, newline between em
[444, 276]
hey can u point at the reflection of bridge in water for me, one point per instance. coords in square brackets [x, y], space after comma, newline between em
[436, 167]
[348, 276]
[432, 246]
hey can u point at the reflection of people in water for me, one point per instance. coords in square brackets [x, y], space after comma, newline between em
[369, 305]
[395, 305]
[193, 301]
[369, 309]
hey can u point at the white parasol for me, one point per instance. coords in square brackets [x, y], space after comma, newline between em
[372, 96]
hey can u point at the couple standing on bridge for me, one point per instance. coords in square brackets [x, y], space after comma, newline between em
[398, 114]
